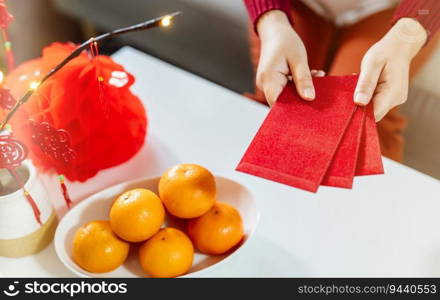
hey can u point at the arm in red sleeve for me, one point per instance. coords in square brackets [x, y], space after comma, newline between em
[256, 8]
[426, 12]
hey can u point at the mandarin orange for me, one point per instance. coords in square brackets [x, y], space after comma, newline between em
[187, 190]
[136, 215]
[97, 249]
[217, 231]
[169, 253]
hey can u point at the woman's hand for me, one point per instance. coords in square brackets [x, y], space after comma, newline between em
[385, 67]
[282, 54]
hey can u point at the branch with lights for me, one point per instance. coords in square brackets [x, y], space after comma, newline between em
[52, 142]
[156, 22]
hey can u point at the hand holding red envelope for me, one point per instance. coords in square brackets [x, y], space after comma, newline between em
[306, 144]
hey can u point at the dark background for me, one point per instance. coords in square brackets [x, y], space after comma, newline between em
[216, 48]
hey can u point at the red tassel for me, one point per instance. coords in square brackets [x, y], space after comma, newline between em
[95, 52]
[9, 55]
[12, 154]
[5, 19]
[28, 196]
[64, 190]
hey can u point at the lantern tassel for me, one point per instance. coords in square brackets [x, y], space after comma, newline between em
[28, 196]
[8, 51]
[95, 52]
[65, 191]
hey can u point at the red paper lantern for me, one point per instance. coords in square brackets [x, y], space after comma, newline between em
[89, 99]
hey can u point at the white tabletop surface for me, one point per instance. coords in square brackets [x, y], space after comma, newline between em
[386, 225]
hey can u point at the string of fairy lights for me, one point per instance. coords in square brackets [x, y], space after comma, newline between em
[14, 159]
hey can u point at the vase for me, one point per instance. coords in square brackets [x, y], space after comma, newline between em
[20, 232]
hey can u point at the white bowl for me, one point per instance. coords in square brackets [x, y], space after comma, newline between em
[97, 207]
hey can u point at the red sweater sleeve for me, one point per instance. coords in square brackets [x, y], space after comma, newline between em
[427, 12]
[256, 8]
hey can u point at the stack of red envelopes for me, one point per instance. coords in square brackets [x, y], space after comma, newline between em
[327, 141]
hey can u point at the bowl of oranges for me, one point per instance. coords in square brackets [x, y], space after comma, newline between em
[179, 224]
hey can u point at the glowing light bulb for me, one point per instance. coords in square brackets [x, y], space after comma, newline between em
[34, 85]
[1, 77]
[166, 21]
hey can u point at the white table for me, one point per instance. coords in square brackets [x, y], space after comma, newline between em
[387, 225]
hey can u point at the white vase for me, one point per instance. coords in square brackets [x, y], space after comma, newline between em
[20, 233]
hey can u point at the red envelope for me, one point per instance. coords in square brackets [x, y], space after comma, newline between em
[298, 138]
[342, 168]
[370, 157]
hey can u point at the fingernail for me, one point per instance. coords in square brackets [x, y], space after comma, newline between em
[361, 98]
[309, 93]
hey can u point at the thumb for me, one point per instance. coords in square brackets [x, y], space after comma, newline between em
[302, 77]
[368, 78]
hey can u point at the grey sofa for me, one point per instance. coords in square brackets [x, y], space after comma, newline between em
[210, 39]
